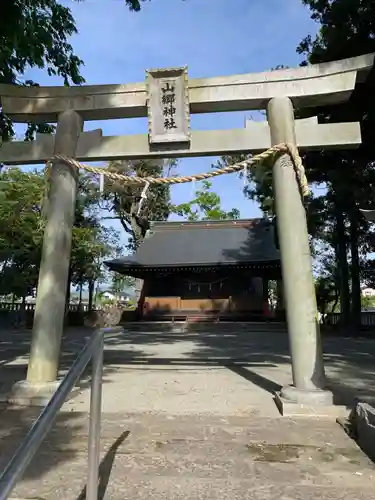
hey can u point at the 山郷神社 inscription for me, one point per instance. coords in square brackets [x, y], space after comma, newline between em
[168, 105]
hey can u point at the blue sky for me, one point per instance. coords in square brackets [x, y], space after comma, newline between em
[211, 37]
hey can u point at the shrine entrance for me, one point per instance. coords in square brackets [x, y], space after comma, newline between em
[168, 98]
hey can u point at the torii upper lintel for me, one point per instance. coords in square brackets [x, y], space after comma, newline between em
[306, 86]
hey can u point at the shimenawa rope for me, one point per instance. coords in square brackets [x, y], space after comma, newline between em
[274, 151]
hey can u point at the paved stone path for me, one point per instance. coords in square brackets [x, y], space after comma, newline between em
[189, 415]
[219, 370]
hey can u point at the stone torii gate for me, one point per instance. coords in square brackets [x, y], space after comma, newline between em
[167, 98]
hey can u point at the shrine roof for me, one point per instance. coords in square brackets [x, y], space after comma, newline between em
[203, 243]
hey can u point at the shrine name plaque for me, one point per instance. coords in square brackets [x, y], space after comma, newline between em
[168, 106]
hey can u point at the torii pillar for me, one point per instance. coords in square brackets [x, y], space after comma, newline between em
[309, 382]
[41, 381]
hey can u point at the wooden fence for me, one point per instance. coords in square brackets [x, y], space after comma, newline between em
[367, 319]
[17, 306]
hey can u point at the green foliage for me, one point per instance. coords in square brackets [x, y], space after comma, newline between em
[205, 206]
[347, 177]
[121, 283]
[134, 5]
[92, 242]
[327, 280]
[21, 232]
[124, 201]
[347, 30]
[34, 33]
[90, 246]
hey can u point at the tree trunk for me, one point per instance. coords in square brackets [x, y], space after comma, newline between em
[355, 273]
[91, 293]
[80, 295]
[96, 292]
[342, 267]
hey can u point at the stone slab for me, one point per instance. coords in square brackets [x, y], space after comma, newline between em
[193, 457]
[364, 421]
[148, 427]
[254, 138]
[187, 485]
[311, 85]
[290, 409]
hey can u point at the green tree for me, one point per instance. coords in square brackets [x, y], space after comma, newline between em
[134, 5]
[205, 206]
[92, 242]
[21, 233]
[347, 30]
[90, 246]
[327, 277]
[35, 33]
[21, 230]
[121, 283]
[126, 204]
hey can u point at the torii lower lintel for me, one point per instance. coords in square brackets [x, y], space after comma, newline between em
[255, 137]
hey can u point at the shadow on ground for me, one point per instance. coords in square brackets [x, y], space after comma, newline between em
[242, 349]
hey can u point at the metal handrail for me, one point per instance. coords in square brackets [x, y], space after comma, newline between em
[35, 437]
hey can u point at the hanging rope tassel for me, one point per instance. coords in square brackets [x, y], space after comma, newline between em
[143, 197]
[193, 186]
[101, 183]
[245, 174]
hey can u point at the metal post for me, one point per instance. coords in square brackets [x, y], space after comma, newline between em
[94, 428]
[299, 293]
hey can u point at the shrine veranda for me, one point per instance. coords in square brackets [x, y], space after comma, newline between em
[167, 98]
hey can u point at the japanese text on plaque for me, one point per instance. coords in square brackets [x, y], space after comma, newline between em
[168, 101]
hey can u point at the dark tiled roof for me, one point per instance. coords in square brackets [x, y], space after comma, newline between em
[203, 243]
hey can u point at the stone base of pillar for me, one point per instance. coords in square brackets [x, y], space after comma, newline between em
[292, 402]
[317, 397]
[24, 393]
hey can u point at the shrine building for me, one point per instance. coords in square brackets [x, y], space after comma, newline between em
[213, 269]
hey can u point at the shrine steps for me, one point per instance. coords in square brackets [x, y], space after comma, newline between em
[199, 326]
[195, 316]
[203, 318]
